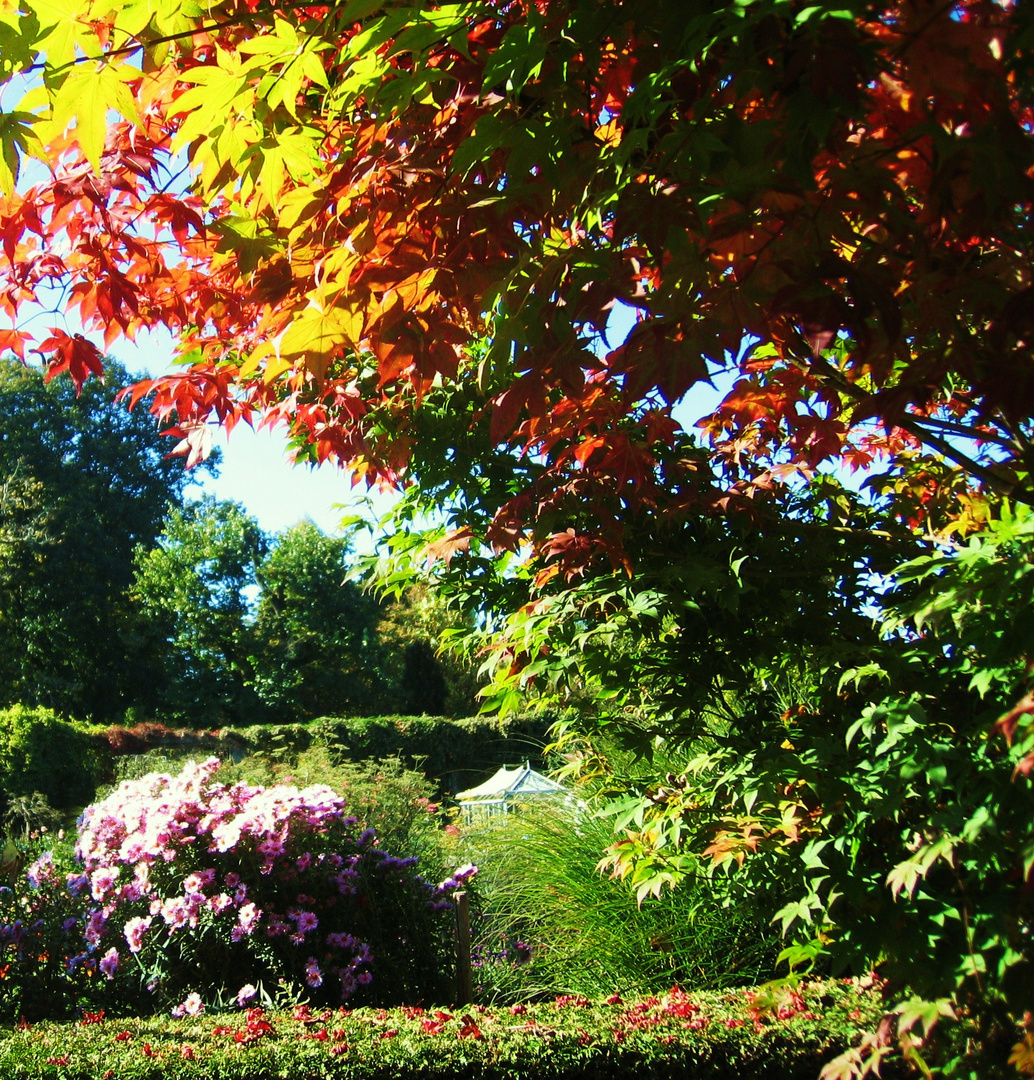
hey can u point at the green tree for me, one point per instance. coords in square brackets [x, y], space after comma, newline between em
[84, 481]
[839, 707]
[317, 647]
[403, 233]
[427, 677]
[41, 754]
[244, 628]
[196, 590]
[877, 793]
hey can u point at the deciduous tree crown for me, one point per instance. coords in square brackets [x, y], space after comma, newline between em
[327, 204]
[403, 231]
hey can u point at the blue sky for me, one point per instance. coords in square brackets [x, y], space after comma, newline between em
[255, 470]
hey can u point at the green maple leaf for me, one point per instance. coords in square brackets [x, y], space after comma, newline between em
[17, 139]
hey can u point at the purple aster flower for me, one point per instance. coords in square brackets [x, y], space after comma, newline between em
[306, 921]
[248, 917]
[191, 1006]
[109, 963]
[41, 870]
[134, 931]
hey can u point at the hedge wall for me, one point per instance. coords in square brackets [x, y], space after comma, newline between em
[455, 753]
[40, 752]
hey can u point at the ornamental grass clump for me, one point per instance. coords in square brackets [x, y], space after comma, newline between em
[187, 893]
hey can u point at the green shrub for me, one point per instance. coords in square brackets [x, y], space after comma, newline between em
[452, 754]
[40, 752]
[456, 753]
[398, 803]
[157, 759]
[39, 930]
[186, 891]
[27, 815]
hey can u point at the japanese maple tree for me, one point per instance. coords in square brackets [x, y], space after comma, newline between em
[407, 233]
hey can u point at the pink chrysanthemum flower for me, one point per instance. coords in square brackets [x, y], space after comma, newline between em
[306, 921]
[134, 931]
[192, 1005]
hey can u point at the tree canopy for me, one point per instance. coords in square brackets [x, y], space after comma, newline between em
[326, 205]
[195, 590]
[320, 649]
[483, 251]
[84, 483]
[240, 627]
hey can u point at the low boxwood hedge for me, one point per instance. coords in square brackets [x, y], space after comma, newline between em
[784, 1035]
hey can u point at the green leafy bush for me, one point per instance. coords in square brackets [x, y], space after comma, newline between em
[887, 792]
[39, 930]
[452, 753]
[40, 752]
[187, 892]
[25, 815]
[399, 803]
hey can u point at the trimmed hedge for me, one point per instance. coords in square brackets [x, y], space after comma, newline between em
[39, 752]
[730, 1036]
[455, 753]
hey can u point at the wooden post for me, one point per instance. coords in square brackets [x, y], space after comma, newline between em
[464, 982]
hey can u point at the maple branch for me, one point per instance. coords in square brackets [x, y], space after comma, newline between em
[126, 50]
[914, 427]
[1019, 440]
[975, 468]
[1016, 443]
[163, 39]
[951, 428]
[798, 528]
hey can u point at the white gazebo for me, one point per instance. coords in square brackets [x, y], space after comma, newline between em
[507, 790]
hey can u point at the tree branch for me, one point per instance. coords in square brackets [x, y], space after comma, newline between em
[914, 427]
[966, 432]
[138, 43]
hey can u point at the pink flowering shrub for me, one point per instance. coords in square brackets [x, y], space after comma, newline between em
[189, 892]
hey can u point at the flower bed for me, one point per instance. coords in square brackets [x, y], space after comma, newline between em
[786, 1035]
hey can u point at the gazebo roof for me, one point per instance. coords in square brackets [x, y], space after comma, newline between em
[522, 780]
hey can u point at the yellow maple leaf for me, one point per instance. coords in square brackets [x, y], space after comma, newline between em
[1022, 1055]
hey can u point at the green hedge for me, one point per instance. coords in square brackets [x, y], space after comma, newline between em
[40, 752]
[455, 753]
[458, 753]
[673, 1037]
